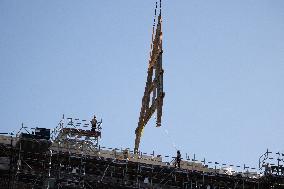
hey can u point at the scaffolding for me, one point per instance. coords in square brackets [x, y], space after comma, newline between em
[73, 158]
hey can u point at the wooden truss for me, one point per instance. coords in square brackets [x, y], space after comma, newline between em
[154, 94]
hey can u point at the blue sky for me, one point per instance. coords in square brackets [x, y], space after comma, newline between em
[223, 62]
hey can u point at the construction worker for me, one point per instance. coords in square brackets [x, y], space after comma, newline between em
[178, 158]
[94, 124]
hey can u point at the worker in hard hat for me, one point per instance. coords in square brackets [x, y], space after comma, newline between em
[94, 123]
[178, 159]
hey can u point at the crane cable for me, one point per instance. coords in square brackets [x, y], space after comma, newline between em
[154, 25]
